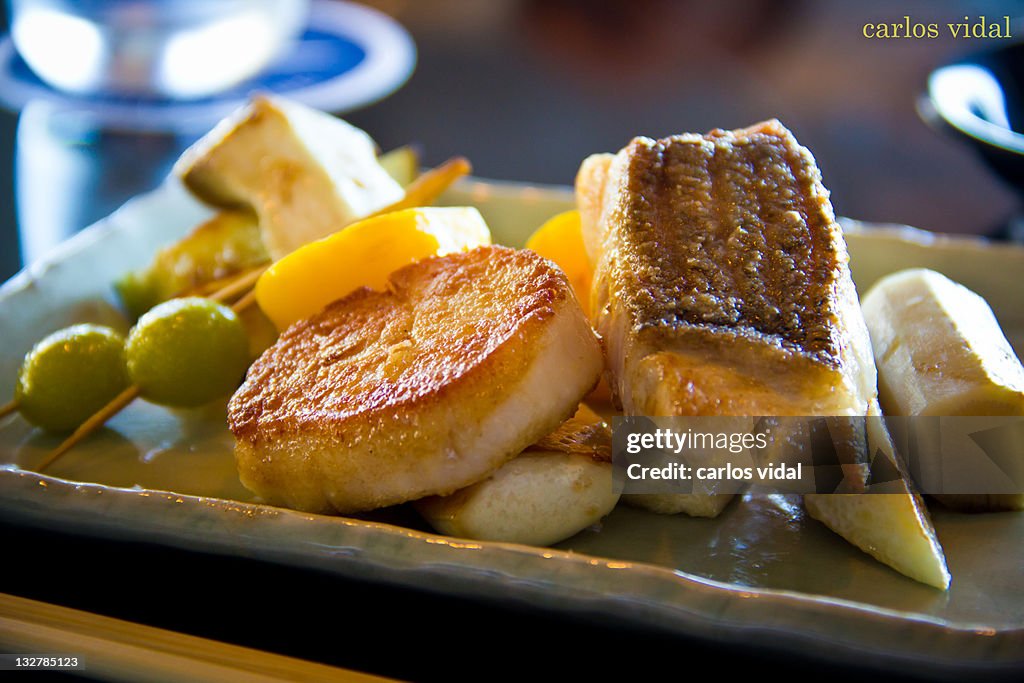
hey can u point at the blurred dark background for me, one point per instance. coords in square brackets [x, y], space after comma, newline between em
[528, 88]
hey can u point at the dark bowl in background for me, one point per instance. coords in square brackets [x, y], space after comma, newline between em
[979, 99]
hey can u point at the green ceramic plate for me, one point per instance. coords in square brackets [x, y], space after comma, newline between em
[762, 572]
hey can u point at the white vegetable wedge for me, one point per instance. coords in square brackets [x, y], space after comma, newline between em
[940, 351]
[892, 525]
[305, 173]
[553, 490]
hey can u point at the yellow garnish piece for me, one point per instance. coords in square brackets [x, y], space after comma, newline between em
[363, 254]
[560, 239]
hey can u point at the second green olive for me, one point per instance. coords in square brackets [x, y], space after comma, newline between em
[187, 352]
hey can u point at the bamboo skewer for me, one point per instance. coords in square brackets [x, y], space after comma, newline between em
[208, 288]
[425, 189]
[246, 300]
[8, 408]
[241, 286]
[97, 420]
[429, 185]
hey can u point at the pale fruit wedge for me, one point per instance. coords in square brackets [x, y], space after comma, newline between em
[940, 351]
[553, 490]
[893, 525]
[306, 174]
[364, 255]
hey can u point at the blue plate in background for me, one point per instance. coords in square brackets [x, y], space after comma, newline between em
[348, 56]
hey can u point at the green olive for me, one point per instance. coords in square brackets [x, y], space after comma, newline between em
[187, 352]
[70, 375]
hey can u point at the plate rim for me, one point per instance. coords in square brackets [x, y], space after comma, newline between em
[781, 619]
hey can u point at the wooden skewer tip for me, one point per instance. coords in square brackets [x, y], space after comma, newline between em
[97, 420]
[240, 286]
[246, 300]
[8, 408]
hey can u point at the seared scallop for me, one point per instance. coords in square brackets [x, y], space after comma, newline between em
[423, 389]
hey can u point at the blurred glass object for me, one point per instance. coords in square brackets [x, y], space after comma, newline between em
[134, 74]
[71, 172]
[174, 49]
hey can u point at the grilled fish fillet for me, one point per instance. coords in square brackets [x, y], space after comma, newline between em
[722, 287]
[424, 389]
[556, 488]
[721, 283]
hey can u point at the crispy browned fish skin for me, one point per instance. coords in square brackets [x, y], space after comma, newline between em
[722, 284]
[389, 396]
